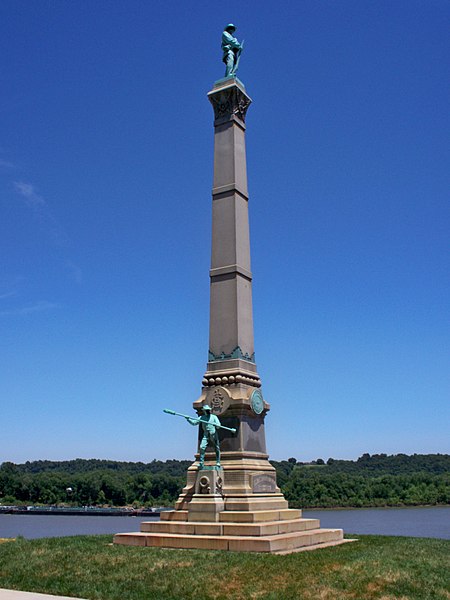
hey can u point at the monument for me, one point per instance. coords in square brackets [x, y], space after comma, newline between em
[231, 500]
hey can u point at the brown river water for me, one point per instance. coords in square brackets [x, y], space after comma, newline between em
[431, 522]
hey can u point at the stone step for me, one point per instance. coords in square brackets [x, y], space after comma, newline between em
[270, 528]
[256, 504]
[281, 543]
[239, 529]
[178, 527]
[237, 516]
[174, 515]
[291, 541]
[286, 542]
[316, 546]
[170, 540]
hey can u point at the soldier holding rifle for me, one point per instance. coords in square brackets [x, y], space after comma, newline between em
[210, 434]
[210, 424]
[231, 50]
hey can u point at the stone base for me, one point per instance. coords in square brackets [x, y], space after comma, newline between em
[281, 531]
[272, 536]
[207, 502]
[244, 520]
[226, 81]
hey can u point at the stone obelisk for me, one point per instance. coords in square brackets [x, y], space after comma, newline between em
[237, 506]
[231, 385]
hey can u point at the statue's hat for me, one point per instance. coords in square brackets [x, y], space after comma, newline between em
[206, 407]
[230, 26]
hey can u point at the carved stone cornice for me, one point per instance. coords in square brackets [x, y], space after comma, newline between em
[229, 102]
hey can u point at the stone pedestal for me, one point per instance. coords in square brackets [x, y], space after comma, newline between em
[205, 518]
[276, 531]
[239, 507]
[207, 501]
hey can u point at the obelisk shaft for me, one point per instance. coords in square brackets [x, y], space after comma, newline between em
[231, 318]
[231, 315]
[231, 376]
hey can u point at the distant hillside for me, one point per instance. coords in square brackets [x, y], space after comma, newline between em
[81, 465]
[395, 464]
[377, 480]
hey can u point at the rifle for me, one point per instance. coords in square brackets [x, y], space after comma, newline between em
[197, 420]
[238, 58]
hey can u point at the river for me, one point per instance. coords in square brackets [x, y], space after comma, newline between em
[433, 521]
[417, 522]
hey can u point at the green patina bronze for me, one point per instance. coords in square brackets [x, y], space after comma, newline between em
[236, 353]
[232, 50]
[210, 424]
[257, 402]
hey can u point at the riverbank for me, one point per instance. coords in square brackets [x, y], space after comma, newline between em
[133, 512]
[81, 511]
[374, 567]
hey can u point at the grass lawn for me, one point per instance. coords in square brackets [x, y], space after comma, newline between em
[388, 568]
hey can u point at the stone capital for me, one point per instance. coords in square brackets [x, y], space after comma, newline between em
[230, 103]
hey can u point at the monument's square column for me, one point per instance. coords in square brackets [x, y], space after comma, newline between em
[231, 318]
[231, 385]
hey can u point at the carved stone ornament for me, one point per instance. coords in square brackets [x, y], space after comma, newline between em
[218, 399]
[204, 485]
[209, 482]
[228, 102]
[263, 483]
[257, 402]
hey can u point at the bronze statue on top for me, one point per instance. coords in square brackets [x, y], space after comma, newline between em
[232, 50]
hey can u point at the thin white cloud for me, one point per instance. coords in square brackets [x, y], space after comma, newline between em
[9, 288]
[74, 271]
[28, 192]
[6, 164]
[7, 295]
[32, 308]
[41, 210]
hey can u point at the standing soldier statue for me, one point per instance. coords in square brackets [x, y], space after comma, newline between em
[231, 50]
[210, 423]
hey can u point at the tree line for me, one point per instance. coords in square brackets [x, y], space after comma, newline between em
[92, 482]
[377, 480]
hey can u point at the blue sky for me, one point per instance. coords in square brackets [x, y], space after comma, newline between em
[105, 179]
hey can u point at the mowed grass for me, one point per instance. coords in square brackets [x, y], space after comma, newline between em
[387, 568]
